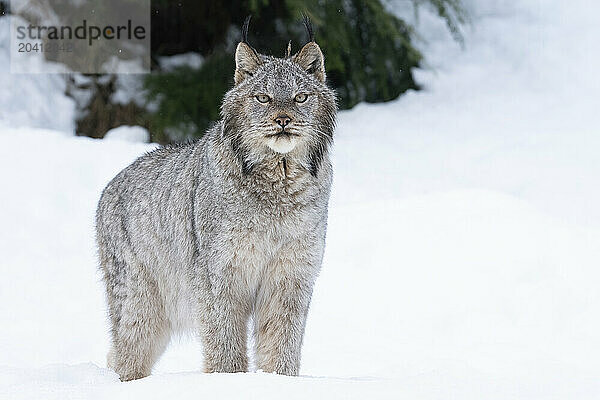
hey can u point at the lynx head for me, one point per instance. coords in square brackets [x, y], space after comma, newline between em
[279, 106]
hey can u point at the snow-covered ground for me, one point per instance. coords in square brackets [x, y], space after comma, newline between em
[463, 248]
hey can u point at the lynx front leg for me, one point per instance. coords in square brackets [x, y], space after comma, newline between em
[223, 323]
[281, 310]
[224, 338]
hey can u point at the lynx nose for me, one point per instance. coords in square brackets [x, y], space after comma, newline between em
[283, 120]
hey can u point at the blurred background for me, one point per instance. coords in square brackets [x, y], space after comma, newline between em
[370, 50]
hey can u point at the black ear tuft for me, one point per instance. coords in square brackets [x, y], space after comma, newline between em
[247, 59]
[245, 29]
[309, 28]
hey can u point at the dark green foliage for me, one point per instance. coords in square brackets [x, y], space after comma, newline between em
[368, 51]
[188, 99]
[191, 25]
[368, 56]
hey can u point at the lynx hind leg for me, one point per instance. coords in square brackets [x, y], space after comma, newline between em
[140, 330]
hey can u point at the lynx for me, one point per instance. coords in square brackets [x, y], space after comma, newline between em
[227, 232]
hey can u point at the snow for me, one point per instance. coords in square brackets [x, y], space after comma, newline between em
[190, 59]
[35, 100]
[462, 251]
[128, 134]
[130, 88]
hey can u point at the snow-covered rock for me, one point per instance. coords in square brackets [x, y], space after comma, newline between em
[190, 59]
[128, 134]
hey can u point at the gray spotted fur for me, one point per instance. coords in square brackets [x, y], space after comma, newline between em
[210, 235]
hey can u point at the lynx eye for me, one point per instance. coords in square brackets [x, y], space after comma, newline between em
[300, 97]
[263, 98]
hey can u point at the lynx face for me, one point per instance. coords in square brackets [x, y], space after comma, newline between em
[279, 106]
[283, 106]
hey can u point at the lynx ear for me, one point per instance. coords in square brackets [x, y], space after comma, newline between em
[311, 59]
[246, 62]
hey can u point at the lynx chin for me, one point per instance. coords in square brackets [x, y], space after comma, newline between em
[210, 235]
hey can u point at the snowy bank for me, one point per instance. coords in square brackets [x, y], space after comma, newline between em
[468, 293]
